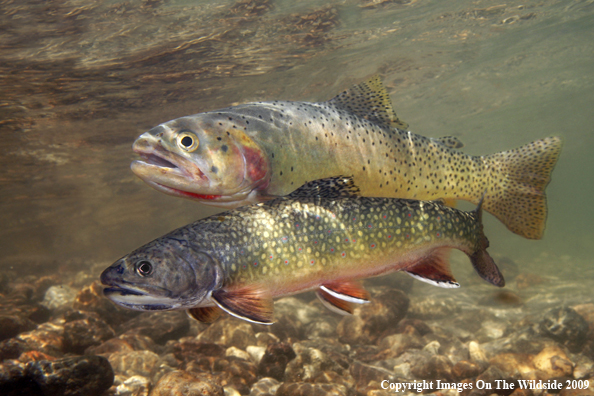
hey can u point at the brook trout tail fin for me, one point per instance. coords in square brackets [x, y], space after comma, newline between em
[480, 259]
[519, 177]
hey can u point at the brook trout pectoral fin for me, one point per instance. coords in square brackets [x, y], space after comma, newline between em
[342, 297]
[247, 303]
[435, 270]
[205, 314]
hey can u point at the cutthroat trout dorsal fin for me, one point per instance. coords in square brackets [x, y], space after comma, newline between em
[331, 187]
[205, 314]
[247, 303]
[449, 141]
[342, 297]
[435, 270]
[369, 100]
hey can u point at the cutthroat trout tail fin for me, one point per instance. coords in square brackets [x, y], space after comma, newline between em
[480, 259]
[518, 179]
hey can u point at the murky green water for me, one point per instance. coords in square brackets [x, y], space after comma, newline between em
[80, 80]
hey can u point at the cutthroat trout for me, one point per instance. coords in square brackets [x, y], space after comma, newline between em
[257, 151]
[321, 237]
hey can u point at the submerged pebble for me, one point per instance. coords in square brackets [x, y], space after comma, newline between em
[305, 353]
[81, 375]
[183, 383]
[566, 326]
[59, 298]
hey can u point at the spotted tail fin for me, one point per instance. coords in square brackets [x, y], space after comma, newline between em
[518, 179]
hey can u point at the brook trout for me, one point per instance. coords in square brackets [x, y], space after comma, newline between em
[257, 151]
[322, 237]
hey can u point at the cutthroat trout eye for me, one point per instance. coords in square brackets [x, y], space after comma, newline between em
[187, 141]
[144, 268]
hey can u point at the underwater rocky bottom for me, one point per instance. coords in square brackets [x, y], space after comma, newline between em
[60, 336]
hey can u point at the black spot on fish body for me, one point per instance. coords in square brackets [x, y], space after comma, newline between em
[214, 169]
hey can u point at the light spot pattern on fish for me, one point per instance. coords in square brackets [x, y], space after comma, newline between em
[322, 237]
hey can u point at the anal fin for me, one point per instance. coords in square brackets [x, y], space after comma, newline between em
[247, 303]
[434, 269]
[205, 314]
[342, 297]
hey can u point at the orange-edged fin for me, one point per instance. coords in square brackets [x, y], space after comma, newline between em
[342, 297]
[247, 303]
[334, 304]
[347, 291]
[435, 270]
[205, 314]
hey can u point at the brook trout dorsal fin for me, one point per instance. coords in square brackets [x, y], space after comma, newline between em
[205, 314]
[435, 270]
[331, 187]
[342, 297]
[449, 142]
[247, 303]
[369, 100]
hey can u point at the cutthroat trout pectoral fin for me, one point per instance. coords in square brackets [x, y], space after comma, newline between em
[247, 303]
[435, 270]
[205, 314]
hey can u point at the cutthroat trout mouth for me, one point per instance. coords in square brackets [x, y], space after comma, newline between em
[160, 162]
[170, 173]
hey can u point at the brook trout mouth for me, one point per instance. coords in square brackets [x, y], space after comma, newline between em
[108, 291]
[137, 300]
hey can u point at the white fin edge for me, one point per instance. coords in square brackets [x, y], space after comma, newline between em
[445, 284]
[242, 317]
[331, 307]
[344, 297]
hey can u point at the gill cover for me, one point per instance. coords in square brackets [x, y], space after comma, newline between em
[162, 275]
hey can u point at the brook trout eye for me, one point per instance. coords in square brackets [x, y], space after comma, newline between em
[144, 268]
[187, 141]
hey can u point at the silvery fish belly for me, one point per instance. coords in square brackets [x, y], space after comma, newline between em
[257, 151]
[321, 237]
